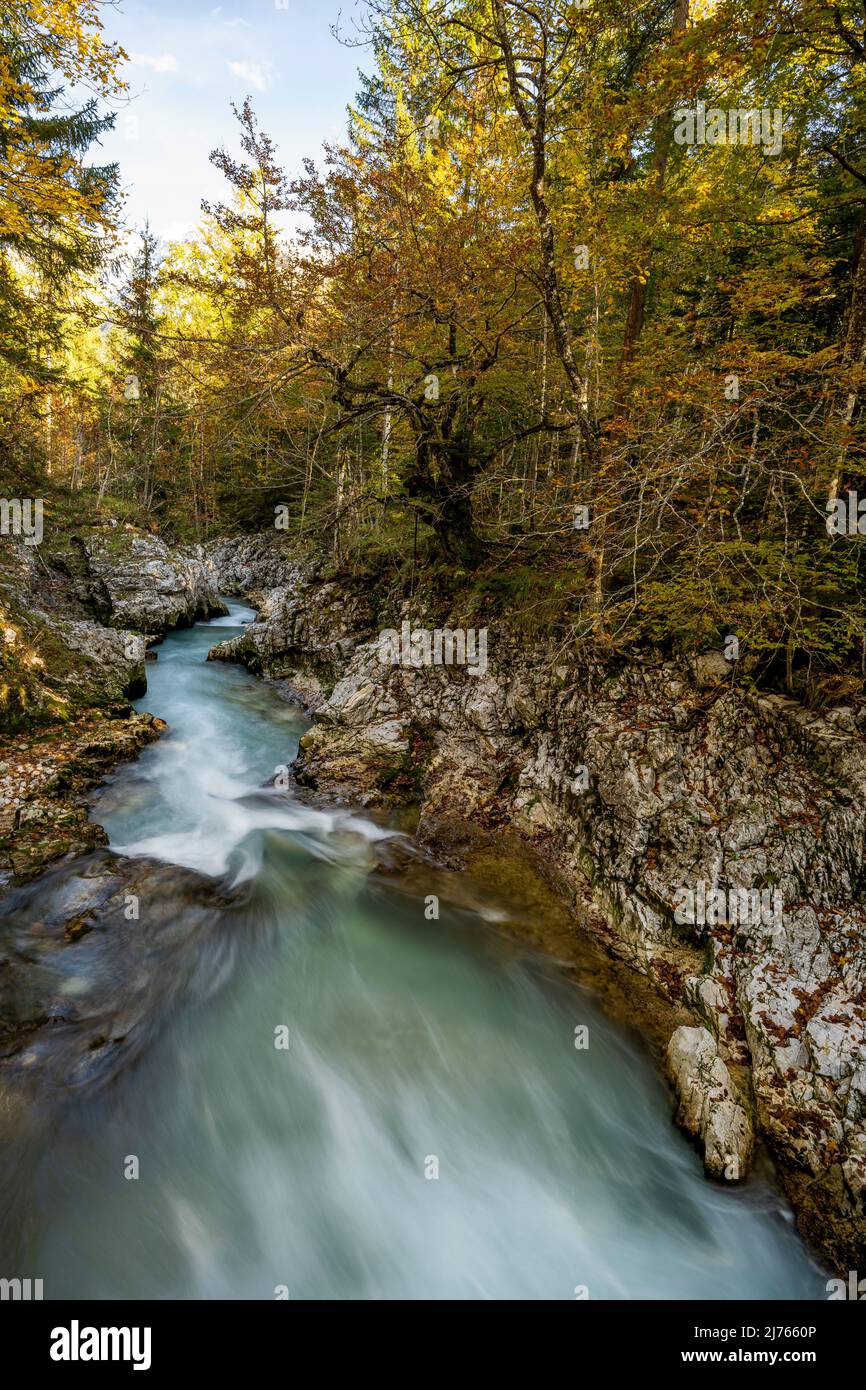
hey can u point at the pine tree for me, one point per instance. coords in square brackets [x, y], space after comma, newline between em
[54, 209]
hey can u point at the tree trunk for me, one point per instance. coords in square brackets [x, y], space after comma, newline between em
[662, 136]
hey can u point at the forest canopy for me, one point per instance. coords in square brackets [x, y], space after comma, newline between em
[574, 314]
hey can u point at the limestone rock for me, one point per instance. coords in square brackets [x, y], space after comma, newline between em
[120, 655]
[253, 565]
[708, 1109]
[147, 586]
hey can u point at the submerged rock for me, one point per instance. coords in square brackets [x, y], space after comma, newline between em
[93, 957]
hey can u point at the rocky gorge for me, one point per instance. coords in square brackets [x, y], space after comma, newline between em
[626, 783]
[631, 784]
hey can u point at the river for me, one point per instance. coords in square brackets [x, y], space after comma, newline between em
[364, 1103]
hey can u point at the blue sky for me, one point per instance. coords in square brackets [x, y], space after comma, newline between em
[189, 60]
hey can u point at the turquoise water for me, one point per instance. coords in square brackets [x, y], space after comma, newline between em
[428, 1131]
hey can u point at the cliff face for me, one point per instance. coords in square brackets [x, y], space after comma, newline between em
[654, 794]
[136, 581]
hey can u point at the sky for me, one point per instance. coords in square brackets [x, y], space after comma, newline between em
[189, 60]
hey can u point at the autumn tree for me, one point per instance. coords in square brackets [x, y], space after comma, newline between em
[56, 209]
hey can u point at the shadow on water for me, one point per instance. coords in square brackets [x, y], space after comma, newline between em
[345, 1098]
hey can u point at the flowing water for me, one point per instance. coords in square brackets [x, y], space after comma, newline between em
[426, 1127]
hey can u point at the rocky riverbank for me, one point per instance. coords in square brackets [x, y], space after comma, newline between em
[77, 616]
[43, 783]
[640, 787]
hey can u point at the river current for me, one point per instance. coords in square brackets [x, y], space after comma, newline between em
[366, 1103]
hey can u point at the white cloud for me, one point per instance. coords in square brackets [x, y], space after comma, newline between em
[165, 62]
[257, 74]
